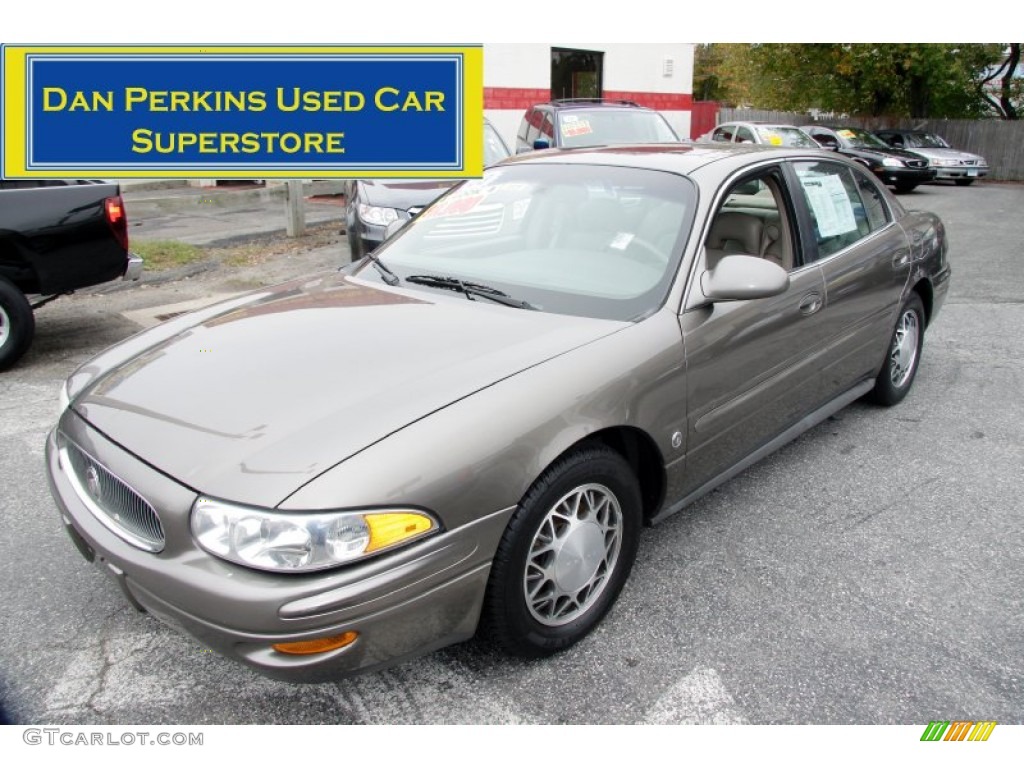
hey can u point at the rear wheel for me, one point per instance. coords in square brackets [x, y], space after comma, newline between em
[904, 355]
[565, 555]
[963, 182]
[17, 324]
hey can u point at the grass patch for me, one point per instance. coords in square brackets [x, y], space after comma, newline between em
[166, 254]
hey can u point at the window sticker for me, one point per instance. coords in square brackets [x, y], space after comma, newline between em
[831, 204]
[578, 126]
[846, 134]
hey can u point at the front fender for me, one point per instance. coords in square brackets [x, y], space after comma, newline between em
[482, 453]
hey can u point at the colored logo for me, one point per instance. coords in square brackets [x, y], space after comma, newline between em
[958, 730]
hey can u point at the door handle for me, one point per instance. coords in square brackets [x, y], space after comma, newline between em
[810, 303]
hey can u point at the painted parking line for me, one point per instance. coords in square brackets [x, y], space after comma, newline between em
[700, 698]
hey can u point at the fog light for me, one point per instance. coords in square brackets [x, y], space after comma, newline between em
[320, 645]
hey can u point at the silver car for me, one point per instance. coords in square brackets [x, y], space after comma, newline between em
[962, 168]
[465, 431]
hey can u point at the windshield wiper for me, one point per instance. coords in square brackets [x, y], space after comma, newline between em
[470, 289]
[389, 277]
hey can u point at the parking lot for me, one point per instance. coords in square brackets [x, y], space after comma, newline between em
[870, 572]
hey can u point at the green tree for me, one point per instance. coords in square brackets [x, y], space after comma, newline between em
[905, 79]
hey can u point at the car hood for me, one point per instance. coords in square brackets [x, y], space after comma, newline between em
[251, 403]
[403, 194]
[941, 153]
[878, 152]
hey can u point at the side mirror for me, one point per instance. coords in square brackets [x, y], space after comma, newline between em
[541, 144]
[737, 277]
[394, 227]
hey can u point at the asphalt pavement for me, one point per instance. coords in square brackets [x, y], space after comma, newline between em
[872, 571]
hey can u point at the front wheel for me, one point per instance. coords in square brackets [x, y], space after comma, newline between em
[17, 324]
[904, 187]
[904, 356]
[565, 554]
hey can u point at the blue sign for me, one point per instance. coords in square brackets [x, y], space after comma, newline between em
[244, 113]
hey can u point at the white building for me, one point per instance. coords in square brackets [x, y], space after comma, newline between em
[519, 75]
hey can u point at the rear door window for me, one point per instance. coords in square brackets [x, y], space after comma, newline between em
[837, 210]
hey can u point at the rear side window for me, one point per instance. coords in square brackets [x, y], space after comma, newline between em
[723, 133]
[874, 201]
[837, 209]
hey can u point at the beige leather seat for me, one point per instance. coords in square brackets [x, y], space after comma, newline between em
[733, 233]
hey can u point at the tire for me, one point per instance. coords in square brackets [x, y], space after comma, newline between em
[963, 182]
[17, 324]
[904, 187]
[903, 356]
[565, 555]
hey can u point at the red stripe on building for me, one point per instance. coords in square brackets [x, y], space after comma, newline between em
[515, 98]
[524, 98]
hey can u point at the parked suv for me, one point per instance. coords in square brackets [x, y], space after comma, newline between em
[589, 123]
[952, 164]
[896, 167]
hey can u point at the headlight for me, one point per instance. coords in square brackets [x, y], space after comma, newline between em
[373, 214]
[892, 162]
[296, 542]
[945, 162]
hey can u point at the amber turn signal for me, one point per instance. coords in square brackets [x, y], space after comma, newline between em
[320, 645]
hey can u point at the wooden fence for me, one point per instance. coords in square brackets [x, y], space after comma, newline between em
[1001, 142]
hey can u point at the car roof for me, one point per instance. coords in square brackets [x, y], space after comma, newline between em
[678, 158]
[591, 104]
[762, 123]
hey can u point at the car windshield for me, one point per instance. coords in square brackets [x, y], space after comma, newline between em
[494, 148]
[924, 141]
[592, 241]
[784, 136]
[589, 128]
[859, 138]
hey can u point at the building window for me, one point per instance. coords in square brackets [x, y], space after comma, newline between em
[576, 74]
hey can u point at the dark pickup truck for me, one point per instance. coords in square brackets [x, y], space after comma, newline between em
[55, 237]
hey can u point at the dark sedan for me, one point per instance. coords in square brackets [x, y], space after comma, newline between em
[373, 204]
[898, 168]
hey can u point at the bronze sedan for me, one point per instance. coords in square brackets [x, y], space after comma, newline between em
[466, 430]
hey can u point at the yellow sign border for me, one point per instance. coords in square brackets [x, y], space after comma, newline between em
[15, 161]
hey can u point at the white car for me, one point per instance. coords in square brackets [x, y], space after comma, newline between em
[768, 134]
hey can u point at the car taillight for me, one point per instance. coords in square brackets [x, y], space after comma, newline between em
[117, 219]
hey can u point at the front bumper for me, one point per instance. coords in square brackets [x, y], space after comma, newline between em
[953, 172]
[905, 175]
[402, 604]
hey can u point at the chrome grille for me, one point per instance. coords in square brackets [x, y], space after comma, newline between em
[968, 162]
[917, 163]
[113, 501]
